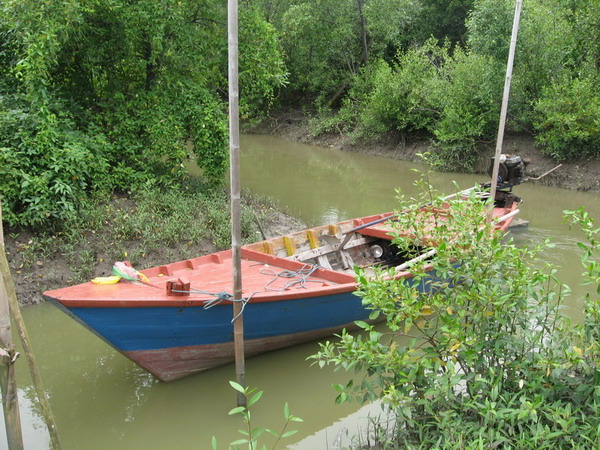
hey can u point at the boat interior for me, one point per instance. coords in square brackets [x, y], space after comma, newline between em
[365, 243]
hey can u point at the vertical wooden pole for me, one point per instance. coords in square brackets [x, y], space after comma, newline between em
[15, 311]
[234, 159]
[504, 110]
[8, 384]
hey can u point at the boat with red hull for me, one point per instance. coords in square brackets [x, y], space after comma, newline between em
[298, 288]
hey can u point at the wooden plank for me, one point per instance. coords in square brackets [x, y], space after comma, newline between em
[325, 249]
[313, 238]
[324, 262]
[290, 245]
[268, 248]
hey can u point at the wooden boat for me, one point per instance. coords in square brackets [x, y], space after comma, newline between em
[300, 288]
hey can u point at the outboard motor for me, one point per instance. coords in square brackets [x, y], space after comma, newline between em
[511, 170]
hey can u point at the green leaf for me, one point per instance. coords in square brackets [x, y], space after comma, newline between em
[374, 314]
[238, 387]
[362, 324]
[237, 410]
[239, 442]
[286, 411]
[256, 397]
[214, 443]
[289, 433]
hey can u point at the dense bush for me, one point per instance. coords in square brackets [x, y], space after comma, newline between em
[452, 89]
[480, 355]
[101, 95]
[568, 120]
[400, 97]
[468, 95]
[453, 97]
[46, 165]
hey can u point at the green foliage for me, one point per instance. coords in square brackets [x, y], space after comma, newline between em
[544, 47]
[468, 94]
[456, 98]
[391, 24]
[46, 166]
[327, 42]
[400, 95]
[591, 275]
[262, 69]
[448, 87]
[568, 118]
[151, 226]
[442, 20]
[98, 95]
[252, 434]
[321, 45]
[480, 352]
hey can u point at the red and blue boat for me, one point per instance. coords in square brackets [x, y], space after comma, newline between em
[298, 288]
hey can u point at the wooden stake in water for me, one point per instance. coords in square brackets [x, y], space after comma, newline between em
[8, 384]
[504, 110]
[234, 159]
[8, 287]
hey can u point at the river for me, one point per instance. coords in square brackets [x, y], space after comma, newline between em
[101, 400]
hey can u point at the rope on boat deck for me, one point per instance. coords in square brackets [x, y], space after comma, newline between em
[301, 278]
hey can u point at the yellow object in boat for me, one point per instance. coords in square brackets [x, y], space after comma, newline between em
[106, 280]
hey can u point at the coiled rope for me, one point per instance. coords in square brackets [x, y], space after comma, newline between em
[297, 277]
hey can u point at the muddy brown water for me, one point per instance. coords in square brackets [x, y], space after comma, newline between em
[102, 400]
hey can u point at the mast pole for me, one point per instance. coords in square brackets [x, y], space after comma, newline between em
[504, 110]
[234, 163]
[8, 294]
[8, 384]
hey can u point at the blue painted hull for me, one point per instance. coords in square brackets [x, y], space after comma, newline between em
[172, 342]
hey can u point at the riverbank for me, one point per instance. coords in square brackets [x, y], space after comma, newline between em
[580, 175]
[138, 229]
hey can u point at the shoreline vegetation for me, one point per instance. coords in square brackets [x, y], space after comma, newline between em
[149, 227]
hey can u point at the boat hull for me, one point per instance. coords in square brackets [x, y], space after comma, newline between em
[173, 342]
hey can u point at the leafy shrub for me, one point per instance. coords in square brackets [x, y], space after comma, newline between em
[46, 167]
[468, 95]
[568, 118]
[400, 99]
[454, 97]
[102, 96]
[487, 359]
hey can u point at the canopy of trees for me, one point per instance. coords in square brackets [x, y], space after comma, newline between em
[438, 66]
[105, 95]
